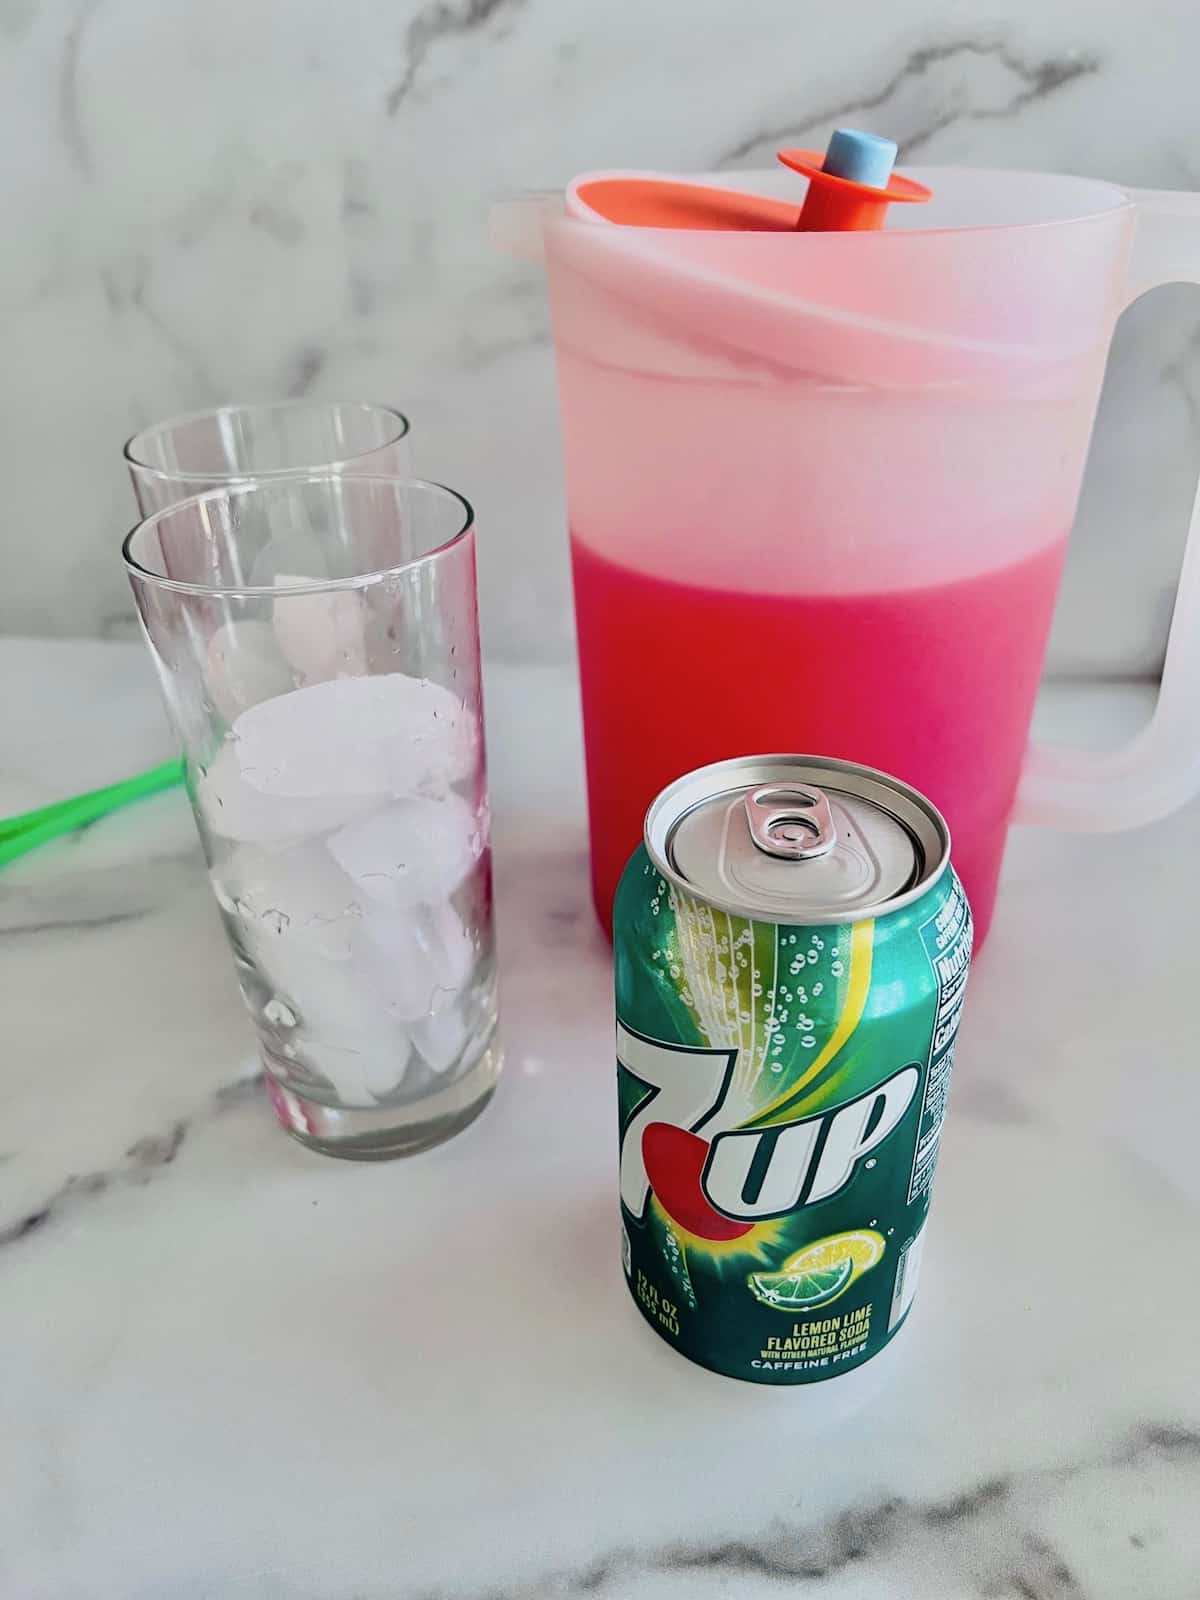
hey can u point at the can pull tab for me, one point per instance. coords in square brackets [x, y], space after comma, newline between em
[793, 821]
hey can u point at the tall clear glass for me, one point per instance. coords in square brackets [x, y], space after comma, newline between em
[316, 640]
[230, 444]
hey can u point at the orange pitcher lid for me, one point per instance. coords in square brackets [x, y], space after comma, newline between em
[849, 189]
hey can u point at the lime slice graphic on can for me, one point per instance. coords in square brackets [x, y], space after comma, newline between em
[862, 1249]
[801, 1291]
[817, 1274]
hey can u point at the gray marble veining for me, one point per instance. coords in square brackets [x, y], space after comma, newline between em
[984, 1541]
[935, 87]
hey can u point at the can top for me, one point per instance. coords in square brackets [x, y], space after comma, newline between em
[804, 839]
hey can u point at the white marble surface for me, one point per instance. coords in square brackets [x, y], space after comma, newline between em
[230, 1368]
[282, 197]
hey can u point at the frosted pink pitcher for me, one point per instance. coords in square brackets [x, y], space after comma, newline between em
[820, 488]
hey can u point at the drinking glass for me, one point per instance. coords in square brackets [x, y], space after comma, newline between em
[316, 641]
[186, 455]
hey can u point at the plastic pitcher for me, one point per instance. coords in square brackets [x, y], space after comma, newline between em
[820, 488]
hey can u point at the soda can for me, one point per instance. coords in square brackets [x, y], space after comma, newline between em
[791, 948]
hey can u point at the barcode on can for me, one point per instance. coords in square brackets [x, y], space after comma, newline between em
[907, 1270]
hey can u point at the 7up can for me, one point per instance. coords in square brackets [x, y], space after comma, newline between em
[791, 948]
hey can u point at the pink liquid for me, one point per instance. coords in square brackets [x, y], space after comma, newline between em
[934, 685]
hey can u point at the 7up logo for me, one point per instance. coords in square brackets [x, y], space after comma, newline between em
[718, 1179]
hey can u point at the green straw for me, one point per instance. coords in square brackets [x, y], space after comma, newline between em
[26, 832]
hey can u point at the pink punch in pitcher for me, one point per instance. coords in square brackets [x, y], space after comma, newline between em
[821, 483]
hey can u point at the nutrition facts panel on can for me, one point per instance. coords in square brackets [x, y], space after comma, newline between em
[947, 940]
[907, 1268]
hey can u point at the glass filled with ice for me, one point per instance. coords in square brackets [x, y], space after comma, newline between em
[316, 639]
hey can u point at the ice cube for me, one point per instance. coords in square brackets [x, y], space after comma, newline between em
[344, 1070]
[383, 1075]
[449, 949]
[236, 810]
[361, 1077]
[296, 918]
[442, 1039]
[388, 735]
[320, 991]
[414, 851]
[395, 966]
[418, 961]
[296, 896]
[244, 666]
[322, 635]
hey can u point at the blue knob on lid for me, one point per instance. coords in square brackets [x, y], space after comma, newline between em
[860, 157]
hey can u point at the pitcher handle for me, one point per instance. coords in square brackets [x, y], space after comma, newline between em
[1159, 769]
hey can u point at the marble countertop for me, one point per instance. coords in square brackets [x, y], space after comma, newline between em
[231, 1368]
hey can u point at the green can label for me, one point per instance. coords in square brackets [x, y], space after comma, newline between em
[781, 1093]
